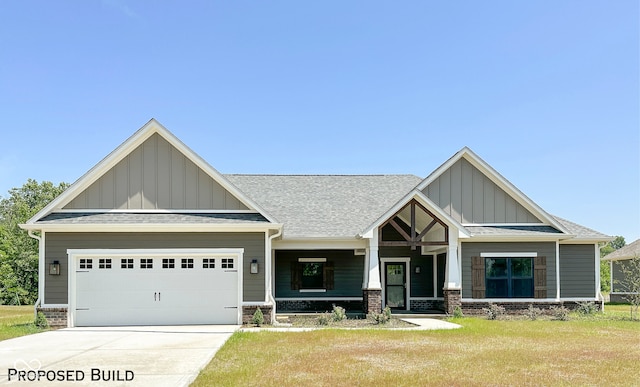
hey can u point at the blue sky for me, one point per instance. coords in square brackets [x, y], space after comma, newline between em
[546, 92]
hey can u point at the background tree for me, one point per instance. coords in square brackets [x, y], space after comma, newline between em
[605, 269]
[18, 251]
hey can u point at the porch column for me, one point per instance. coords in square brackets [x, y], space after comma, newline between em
[372, 289]
[452, 281]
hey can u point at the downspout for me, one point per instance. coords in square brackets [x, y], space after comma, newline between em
[268, 269]
[40, 272]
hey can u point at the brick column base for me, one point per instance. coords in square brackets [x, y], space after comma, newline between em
[372, 300]
[452, 298]
[248, 311]
[56, 317]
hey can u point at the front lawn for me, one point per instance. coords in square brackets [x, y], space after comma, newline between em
[16, 321]
[599, 350]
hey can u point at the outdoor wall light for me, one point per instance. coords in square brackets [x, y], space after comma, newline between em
[418, 269]
[254, 266]
[54, 268]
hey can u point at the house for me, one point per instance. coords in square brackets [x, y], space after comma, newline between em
[617, 259]
[155, 235]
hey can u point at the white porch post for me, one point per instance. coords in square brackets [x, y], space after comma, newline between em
[373, 280]
[453, 274]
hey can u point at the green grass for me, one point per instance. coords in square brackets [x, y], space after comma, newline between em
[600, 349]
[16, 321]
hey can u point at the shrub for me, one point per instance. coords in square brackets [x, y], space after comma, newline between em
[586, 307]
[380, 318]
[457, 312]
[324, 319]
[560, 313]
[41, 321]
[494, 311]
[532, 312]
[258, 317]
[338, 313]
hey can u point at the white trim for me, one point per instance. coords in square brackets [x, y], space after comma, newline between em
[509, 255]
[426, 298]
[318, 298]
[434, 258]
[312, 259]
[152, 227]
[312, 290]
[558, 270]
[527, 300]
[54, 305]
[407, 273]
[622, 293]
[74, 254]
[504, 224]
[597, 270]
[257, 303]
[320, 244]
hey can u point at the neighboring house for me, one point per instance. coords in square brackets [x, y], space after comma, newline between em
[154, 235]
[616, 260]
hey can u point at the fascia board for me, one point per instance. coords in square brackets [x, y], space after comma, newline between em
[425, 201]
[139, 137]
[152, 227]
[517, 238]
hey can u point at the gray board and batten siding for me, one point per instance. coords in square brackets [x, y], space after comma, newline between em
[577, 271]
[156, 175]
[468, 196]
[475, 249]
[56, 287]
[348, 272]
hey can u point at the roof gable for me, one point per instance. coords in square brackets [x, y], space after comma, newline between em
[472, 192]
[152, 170]
[629, 251]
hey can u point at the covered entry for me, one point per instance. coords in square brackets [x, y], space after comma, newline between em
[155, 287]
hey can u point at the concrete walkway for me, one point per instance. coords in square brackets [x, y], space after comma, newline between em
[131, 356]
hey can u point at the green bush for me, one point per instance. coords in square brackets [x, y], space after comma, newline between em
[457, 312]
[494, 311]
[41, 321]
[380, 318]
[324, 319]
[258, 317]
[532, 312]
[338, 313]
[586, 307]
[560, 313]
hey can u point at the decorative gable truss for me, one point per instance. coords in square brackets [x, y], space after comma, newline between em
[420, 223]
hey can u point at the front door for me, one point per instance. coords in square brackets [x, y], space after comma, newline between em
[395, 285]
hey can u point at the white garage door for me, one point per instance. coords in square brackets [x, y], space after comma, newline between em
[156, 289]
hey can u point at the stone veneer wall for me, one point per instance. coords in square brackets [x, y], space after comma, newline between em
[56, 317]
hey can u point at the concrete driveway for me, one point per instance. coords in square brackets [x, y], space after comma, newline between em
[113, 356]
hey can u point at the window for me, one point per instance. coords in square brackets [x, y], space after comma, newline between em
[104, 263]
[126, 263]
[312, 275]
[168, 263]
[208, 263]
[509, 277]
[227, 263]
[187, 263]
[146, 263]
[86, 263]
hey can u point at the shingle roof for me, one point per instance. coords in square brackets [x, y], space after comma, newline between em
[581, 232]
[149, 218]
[629, 251]
[325, 206]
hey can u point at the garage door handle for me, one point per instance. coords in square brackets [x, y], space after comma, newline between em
[158, 296]
[155, 294]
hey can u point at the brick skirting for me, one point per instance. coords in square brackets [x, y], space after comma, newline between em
[475, 307]
[426, 305]
[317, 306]
[56, 317]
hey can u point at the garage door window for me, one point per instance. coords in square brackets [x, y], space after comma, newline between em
[126, 263]
[104, 263]
[86, 263]
[168, 263]
[227, 263]
[146, 263]
[208, 263]
[187, 263]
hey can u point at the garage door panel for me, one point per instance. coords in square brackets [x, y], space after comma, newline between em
[157, 291]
